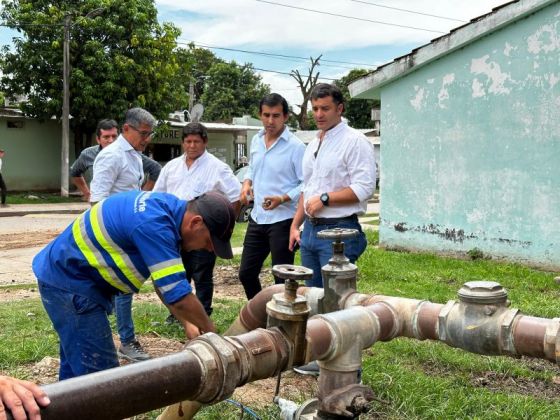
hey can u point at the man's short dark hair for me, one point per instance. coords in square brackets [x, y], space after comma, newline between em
[274, 99]
[105, 125]
[324, 90]
[195, 128]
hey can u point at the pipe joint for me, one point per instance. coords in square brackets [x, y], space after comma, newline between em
[352, 331]
[552, 340]
[220, 370]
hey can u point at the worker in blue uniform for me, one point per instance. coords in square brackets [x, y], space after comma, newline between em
[113, 248]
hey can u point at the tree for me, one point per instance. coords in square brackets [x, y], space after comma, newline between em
[357, 111]
[120, 59]
[232, 90]
[306, 85]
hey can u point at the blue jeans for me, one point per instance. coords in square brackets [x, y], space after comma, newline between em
[315, 252]
[123, 313]
[86, 342]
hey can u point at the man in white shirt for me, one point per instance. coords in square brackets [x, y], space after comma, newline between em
[118, 168]
[338, 179]
[187, 177]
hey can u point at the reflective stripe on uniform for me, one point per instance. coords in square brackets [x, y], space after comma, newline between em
[166, 268]
[119, 256]
[168, 287]
[94, 257]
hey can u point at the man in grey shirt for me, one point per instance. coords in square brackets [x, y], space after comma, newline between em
[106, 133]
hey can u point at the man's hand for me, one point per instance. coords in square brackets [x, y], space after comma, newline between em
[21, 398]
[272, 201]
[295, 238]
[246, 194]
[313, 205]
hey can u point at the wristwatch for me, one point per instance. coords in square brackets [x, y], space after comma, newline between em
[325, 199]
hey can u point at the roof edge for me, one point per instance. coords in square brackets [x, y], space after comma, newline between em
[368, 87]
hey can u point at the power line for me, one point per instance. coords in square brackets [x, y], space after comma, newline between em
[350, 17]
[287, 74]
[408, 11]
[277, 55]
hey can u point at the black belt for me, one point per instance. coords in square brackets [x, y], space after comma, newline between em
[331, 220]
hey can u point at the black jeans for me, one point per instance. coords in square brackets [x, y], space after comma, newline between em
[260, 240]
[3, 189]
[199, 266]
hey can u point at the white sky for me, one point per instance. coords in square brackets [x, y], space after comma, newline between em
[259, 26]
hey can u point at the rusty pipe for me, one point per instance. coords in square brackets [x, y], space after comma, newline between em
[208, 370]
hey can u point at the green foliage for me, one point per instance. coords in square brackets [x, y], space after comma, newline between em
[357, 111]
[232, 90]
[119, 59]
[475, 254]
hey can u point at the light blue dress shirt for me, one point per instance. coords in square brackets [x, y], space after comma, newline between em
[276, 171]
[117, 168]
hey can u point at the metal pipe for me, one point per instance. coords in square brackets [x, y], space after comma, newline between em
[208, 370]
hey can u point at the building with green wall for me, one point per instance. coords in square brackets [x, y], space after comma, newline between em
[470, 127]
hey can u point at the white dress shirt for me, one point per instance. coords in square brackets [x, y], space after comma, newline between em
[207, 173]
[345, 159]
[117, 168]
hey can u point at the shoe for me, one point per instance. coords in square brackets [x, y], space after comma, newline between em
[312, 369]
[170, 320]
[133, 352]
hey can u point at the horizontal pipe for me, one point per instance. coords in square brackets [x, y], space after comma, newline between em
[125, 391]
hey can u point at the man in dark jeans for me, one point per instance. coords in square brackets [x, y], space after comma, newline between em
[3, 188]
[274, 181]
[193, 173]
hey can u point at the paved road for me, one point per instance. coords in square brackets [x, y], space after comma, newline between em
[15, 264]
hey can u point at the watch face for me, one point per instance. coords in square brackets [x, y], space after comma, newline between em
[325, 198]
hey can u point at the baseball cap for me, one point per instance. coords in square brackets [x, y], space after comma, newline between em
[219, 217]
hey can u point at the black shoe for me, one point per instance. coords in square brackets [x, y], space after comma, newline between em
[312, 369]
[133, 352]
[170, 320]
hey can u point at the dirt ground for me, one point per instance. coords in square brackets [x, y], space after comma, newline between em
[257, 394]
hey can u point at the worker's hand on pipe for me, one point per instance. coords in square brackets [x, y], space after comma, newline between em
[191, 330]
[22, 398]
[190, 311]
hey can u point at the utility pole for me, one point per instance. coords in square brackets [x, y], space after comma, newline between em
[65, 149]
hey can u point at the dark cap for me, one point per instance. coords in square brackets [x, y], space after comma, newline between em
[219, 217]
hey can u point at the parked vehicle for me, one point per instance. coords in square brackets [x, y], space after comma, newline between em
[245, 211]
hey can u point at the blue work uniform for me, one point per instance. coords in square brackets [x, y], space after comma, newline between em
[112, 248]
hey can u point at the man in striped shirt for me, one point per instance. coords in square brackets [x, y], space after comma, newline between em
[113, 248]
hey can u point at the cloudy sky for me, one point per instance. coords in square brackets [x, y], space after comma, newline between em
[348, 33]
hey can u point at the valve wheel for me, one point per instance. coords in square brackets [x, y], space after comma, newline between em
[337, 234]
[292, 272]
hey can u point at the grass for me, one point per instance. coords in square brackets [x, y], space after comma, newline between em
[413, 379]
[42, 198]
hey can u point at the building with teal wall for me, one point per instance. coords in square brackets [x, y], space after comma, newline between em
[470, 127]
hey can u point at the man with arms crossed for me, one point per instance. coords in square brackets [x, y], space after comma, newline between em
[338, 179]
[274, 181]
[187, 177]
[118, 168]
[105, 134]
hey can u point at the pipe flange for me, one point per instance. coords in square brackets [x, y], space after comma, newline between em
[552, 340]
[442, 320]
[506, 332]
[224, 375]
